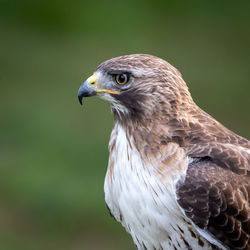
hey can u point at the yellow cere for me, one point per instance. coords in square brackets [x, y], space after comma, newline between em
[92, 79]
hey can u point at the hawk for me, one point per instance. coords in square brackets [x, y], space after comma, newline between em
[176, 177]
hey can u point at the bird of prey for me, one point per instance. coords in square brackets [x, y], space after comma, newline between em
[176, 177]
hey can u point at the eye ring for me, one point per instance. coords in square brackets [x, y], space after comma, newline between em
[121, 79]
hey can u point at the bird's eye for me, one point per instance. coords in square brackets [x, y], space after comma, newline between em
[121, 79]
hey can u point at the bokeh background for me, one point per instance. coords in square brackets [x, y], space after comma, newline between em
[53, 151]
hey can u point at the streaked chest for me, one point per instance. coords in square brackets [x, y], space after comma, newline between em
[141, 195]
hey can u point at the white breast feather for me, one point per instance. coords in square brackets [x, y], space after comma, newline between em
[145, 206]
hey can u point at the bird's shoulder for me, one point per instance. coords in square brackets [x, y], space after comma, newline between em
[203, 136]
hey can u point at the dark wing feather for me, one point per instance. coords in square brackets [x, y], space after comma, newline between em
[216, 199]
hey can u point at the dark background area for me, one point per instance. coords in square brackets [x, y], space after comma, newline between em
[53, 151]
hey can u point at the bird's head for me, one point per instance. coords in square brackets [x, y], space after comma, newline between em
[137, 86]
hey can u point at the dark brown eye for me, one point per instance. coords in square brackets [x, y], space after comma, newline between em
[121, 79]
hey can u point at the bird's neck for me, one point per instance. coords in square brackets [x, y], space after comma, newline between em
[183, 127]
[160, 125]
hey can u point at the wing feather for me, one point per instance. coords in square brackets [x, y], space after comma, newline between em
[216, 199]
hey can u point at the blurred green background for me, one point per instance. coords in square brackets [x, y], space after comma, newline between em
[53, 151]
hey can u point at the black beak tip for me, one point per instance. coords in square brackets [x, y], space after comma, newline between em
[80, 99]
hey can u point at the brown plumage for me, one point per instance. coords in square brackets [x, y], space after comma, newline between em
[177, 178]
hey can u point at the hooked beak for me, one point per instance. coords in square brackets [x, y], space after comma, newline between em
[91, 88]
[87, 88]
